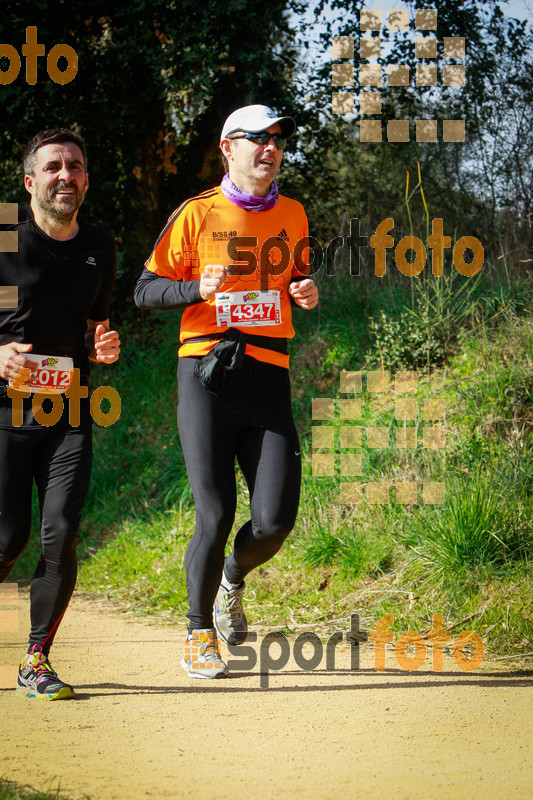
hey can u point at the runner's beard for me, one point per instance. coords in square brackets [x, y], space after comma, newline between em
[61, 209]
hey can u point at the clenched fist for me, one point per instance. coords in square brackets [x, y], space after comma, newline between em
[211, 280]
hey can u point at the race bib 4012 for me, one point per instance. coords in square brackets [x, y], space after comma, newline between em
[53, 372]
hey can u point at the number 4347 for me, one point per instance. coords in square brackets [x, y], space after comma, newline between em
[253, 311]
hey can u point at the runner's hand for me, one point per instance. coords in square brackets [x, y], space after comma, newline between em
[304, 293]
[211, 280]
[12, 360]
[106, 345]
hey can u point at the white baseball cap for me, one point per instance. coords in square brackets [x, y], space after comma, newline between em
[254, 119]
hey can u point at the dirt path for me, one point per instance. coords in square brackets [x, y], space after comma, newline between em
[142, 729]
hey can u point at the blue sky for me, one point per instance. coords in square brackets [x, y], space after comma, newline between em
[521, 9]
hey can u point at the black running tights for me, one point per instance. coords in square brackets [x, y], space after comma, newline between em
[251, 421]
[59, 460]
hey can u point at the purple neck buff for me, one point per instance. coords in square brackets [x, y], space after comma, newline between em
[249, 201]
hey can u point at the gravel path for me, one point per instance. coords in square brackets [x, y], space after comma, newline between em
[142, 729]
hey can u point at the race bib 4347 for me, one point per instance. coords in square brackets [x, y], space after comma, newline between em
[248, 308]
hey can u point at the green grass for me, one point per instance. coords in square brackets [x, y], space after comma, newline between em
[476, 531]
[14, 791]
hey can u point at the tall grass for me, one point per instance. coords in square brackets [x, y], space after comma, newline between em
[474, 533]
[483, 534]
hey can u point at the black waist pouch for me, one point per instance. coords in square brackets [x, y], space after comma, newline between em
[228, 354]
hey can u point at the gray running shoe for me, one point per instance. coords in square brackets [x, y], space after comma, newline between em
[38, 680]
[229, 616]
[202, 657]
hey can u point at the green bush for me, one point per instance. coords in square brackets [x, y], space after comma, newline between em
[408, 341]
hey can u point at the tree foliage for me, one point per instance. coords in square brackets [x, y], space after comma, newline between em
[481, 187]
[156, 79]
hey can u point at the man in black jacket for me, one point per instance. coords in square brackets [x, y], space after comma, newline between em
[63, 273]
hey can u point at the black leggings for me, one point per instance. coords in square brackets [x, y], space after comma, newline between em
[60, 462]
[251, 420]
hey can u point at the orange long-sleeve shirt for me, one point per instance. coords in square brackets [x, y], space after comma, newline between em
[197, 235]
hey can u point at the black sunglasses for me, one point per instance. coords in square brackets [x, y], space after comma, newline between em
[263, 138]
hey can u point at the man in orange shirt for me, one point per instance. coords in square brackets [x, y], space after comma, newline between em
[232, 256]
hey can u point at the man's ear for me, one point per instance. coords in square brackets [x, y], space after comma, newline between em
[226, 147]
[29, 184]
